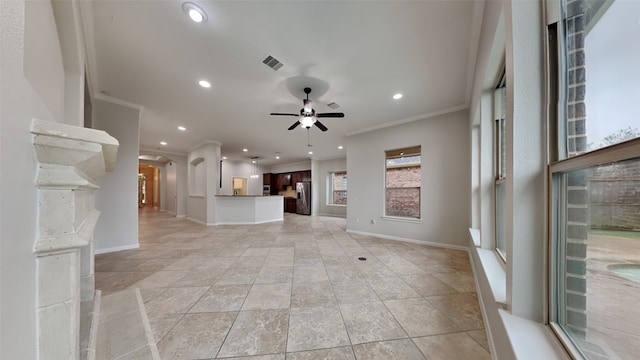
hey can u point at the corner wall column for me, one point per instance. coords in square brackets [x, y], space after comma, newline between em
[69, 159]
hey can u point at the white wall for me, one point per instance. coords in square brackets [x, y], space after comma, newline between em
[445, 180]
[196, 202]
[201, 207]
[117, 199]
[21, 102]
[42, 57]
[181, 189]
[324, 169]
[241, 169]
[290, 167]
[69, 26]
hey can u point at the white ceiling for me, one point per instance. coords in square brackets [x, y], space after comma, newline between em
[356, 53]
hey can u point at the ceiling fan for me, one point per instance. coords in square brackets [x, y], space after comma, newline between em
[308, 117]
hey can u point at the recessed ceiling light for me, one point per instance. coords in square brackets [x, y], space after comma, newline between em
[245, 150]
[340, 147]
[204, 83]
[310, 152]
[277, 157]
[163, 143]
[182, 128]
[195, 12]
[397, 96]
[224, 158]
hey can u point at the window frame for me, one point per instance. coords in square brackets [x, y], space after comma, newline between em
[331, 190]
[560, 162]
[500, 171]
[628, 150]
[396, 153]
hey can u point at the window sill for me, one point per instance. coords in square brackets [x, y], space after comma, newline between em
[493, 268]
[401, 219]
[527, 339]
[530, 339]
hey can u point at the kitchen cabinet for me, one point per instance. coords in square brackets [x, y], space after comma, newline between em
[283, 180]
[296, 177]
[300, 176]
[266, 179]
[290, 205]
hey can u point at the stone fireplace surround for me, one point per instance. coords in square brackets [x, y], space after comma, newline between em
[70, 159]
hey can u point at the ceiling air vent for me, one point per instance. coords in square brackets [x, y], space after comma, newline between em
[272, 62]
[333, 105]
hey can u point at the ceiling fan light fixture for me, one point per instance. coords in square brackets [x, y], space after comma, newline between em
[397, 96]
[194, 12]
[307, 121]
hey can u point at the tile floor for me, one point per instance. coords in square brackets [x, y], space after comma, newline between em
[296, 290]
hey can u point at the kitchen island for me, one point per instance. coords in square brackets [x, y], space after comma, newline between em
[248, 209]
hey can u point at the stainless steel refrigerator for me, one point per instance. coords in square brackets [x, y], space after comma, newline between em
[303, 202]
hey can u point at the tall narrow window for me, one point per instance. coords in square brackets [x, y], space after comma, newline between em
[500, 146]
[595, 180]
[403, 182]
[337, 188]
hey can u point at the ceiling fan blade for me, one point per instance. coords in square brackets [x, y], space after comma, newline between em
[285, 114]
[330, 115]
[320, 125]
[295, 125]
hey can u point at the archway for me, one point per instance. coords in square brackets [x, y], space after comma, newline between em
[149, 183]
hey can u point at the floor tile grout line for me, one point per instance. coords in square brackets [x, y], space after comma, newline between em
[323, 239]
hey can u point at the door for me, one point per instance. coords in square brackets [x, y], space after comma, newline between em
[148, 186]
[171, 201]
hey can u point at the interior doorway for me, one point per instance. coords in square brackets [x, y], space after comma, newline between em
[148, 186]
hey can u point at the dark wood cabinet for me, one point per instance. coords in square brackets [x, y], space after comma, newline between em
[283, 180]
[290, 205]
[296, 177]
[306, 175]
[279, 182]
[300, 176]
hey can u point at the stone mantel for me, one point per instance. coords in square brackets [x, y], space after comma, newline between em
[70, 160]
[68, 152]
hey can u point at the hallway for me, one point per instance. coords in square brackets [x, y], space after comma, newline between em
[296, 289]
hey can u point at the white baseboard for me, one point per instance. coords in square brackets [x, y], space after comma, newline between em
[117, 248]
[414, 241]
[332, 215]
[199, 221]
[181, 216]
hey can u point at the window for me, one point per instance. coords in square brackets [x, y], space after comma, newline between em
[500, 146]
[595, 180]
[403, 181]
[337, 188]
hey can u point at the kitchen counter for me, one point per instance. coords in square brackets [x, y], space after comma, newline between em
[248, 209]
